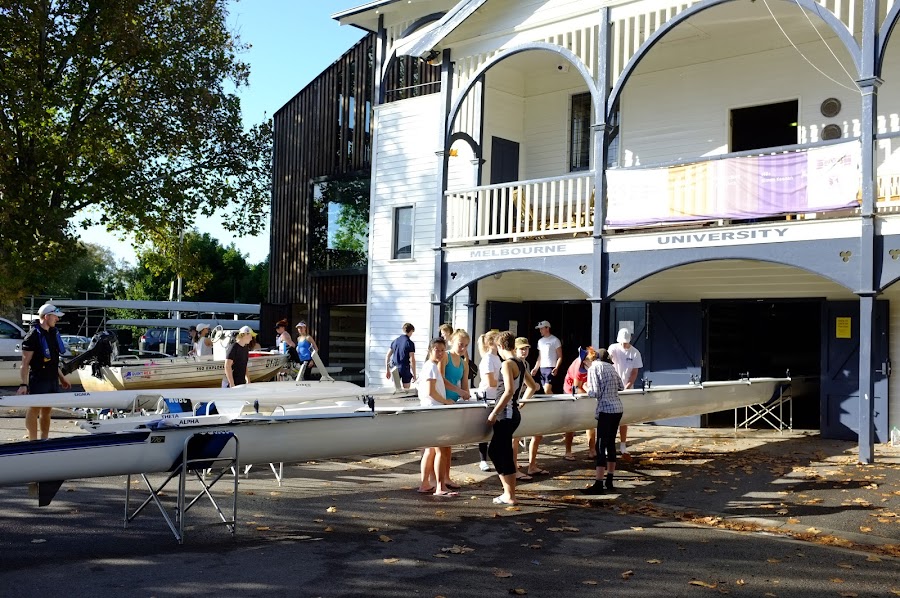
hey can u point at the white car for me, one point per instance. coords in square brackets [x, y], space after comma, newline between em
[11, 335]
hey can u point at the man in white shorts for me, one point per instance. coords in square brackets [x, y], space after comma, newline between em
[627, 361]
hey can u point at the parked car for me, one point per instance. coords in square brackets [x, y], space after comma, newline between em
[11, 335]
[75, 343]
[155, 337]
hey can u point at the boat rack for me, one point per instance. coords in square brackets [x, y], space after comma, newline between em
[201, 454]
[773, 412]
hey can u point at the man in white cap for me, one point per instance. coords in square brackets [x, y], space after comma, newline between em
[40, 371]
[203, 345]
[549, 360]
[237, 357]
[627, 361]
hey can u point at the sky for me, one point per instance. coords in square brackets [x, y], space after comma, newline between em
[292, 41]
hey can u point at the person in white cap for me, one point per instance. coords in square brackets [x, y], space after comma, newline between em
[40, 371]
[237, 357]
[627, 361]
[203, 345]
[549, 358]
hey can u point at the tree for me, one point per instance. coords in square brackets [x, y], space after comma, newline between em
[121, 108]
[209, 271]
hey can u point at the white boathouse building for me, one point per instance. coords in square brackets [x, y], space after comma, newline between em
[722, 176]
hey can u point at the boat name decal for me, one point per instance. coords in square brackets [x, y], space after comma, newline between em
[518, 251]
[157, 439]
[210, 368]
[271, 363]
[82, 394]
[134, 374]
[189, 420]
[720, 236]
[171, 415]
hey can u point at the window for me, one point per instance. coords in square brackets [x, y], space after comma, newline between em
[8, 331]
[580, 133]
[769, 125]
[403, 233]
[612, 156]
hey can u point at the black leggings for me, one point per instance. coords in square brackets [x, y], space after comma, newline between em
[500, 448]
[607, 426]
[482, 450]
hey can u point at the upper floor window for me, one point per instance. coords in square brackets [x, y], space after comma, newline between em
[580, 133]
[403, 233]
[340, 218]
[769, 125]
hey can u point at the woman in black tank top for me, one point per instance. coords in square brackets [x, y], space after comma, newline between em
[515, 383]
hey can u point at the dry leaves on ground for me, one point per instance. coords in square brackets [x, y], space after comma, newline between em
[501, 573]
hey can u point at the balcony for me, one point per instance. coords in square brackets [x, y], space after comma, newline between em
[674, 195]
[537, 209]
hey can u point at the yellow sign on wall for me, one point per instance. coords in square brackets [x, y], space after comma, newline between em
[842, 327]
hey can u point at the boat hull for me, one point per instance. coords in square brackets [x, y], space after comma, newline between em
[174, 372]
[10, 373]
[397, 424]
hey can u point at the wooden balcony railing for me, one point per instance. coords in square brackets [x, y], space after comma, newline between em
[521, 210]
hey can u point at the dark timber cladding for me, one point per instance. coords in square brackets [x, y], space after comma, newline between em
[324, 133]
[314, 138]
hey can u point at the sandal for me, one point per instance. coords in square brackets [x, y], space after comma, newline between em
[498, 500]
[523, 477]
[452, 486]
[569, 457]
[447, 493]
[425, 490]
[539, 472]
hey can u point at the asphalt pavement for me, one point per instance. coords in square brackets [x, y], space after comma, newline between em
[696, 512]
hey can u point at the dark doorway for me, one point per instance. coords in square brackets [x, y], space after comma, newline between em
[504, 161]
[570, 322]
[769, 125]
[766, 338]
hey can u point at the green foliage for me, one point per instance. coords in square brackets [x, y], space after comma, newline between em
[121, 108]
[209, 272]
[350, 243]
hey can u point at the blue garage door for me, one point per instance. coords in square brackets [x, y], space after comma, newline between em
[840, 405]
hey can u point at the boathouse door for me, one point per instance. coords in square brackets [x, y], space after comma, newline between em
[670, 339]
[839, 399]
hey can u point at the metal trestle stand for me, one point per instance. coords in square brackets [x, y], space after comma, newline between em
[202, 452]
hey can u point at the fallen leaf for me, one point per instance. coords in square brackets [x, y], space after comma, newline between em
[873, 559]
[262, 528]
[627, 574]
[654, 561]
[638, 529]
[813, 530]
[456, 549]
[391, 560]
[845, 565]
[331, 510]
[328, 529]
[836, 580]
[703, 584]
[517, 592]
[793, 520]
[740, 582]
[373, 529]
[589, 582]
[772, 561]
[384, 538]
[865, 529]
[501, 573]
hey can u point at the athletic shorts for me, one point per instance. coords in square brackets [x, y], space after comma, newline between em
[547, 376]
[405, 374]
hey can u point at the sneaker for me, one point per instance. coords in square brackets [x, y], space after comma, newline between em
[595, 488]
[484, 466]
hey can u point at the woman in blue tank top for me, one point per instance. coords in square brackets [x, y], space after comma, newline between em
[306, 344]
[456, 367]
